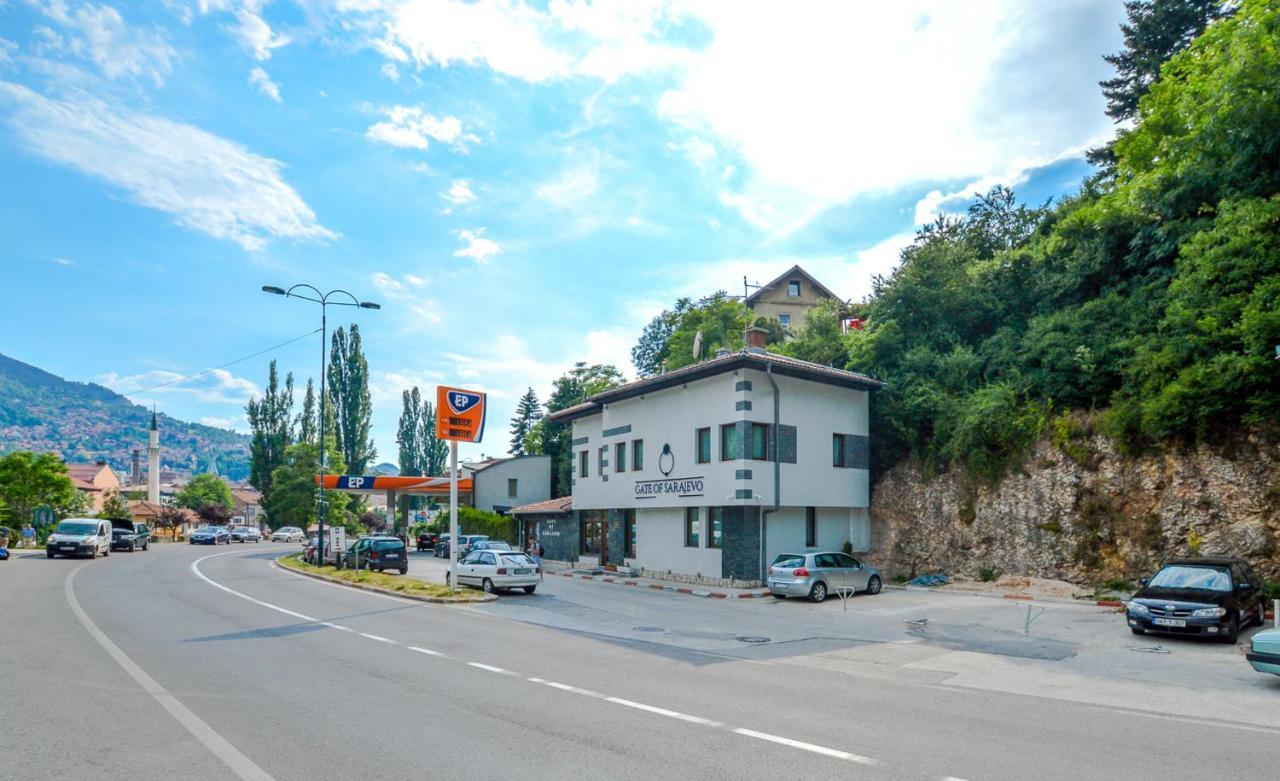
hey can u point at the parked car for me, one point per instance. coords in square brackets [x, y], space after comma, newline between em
[246, 534]
[1206, 597]
[442, 546]
[288, 534]
[489, 545]
[816, 575]
[466, 541]
[427, 541]
[1264, 651]
[210, 535]
[497, 570]
[379, 553]
[80, 537]
[128, 535]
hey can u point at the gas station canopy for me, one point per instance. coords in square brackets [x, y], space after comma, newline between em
[415, 486]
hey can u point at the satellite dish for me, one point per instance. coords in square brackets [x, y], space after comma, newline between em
[697, 346]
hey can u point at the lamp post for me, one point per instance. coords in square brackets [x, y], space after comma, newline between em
[323, 300]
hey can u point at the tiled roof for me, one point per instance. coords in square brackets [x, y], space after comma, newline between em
[84, 471]
[746, 358]
[562, 505]
[83, 484]
[791, 272]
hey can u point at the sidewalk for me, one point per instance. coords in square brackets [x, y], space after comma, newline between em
[686, 589]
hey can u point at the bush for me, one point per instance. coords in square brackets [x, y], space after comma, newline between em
[473, 521]
[1273, 589]
[988, 574]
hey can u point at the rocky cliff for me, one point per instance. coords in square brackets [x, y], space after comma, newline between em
[1079, 510]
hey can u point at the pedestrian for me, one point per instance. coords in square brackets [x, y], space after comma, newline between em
[537, 551]
[28, 536]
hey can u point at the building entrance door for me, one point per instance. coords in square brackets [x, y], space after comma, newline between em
[594, 538]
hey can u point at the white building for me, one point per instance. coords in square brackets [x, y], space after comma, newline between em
[709, 471]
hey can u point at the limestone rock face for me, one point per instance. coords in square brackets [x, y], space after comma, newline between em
[1086, 517]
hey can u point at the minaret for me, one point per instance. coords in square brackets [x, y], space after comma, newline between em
[153, 462]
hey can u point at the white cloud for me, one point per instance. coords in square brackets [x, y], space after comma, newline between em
[459, 193]
[260, 80]
[101, 35]
[204, 182]
[218, 386]
[61, 262]
[254, 32]
[478, 247]
[409, 127]
[216, 422]
[385, 388]
[401, 291]
[390, 71]
[574, 186]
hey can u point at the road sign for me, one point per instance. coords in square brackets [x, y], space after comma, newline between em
[459, 414]
[43, 516]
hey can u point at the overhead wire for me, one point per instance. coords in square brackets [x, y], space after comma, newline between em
[222, 366]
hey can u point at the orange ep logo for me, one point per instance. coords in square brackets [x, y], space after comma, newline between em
[459, 414]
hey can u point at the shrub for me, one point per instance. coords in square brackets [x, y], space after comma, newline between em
[473, 521]
[847, 547]
[988, 574]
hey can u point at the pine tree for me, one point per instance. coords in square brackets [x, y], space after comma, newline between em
[435, 451]
[528, 412]
[271, 421]
[349, 388]
[409, 432]
[308, 422]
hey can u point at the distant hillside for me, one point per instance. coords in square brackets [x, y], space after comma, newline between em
[391, 470]
[83, 421]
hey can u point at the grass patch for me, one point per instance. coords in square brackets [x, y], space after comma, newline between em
[399, 583]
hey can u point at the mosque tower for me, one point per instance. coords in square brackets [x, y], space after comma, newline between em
[153, 463]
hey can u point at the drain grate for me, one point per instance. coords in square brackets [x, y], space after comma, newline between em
[648, 629]
[752, 639]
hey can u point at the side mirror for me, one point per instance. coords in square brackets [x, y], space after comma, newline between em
[1243, 586]
[1143, 581]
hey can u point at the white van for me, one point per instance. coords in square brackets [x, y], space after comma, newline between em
[80, 537]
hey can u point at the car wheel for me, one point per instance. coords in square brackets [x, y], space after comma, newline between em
[48, 554]
[146, 546]
[779, 596]
[530, 589]
[133, 547]
[1233, 634]
[1262, 614]
[404, 570]
[874, 585]
[818, 593]
[106, 553]
[487, 585]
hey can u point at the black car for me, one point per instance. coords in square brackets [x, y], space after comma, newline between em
[1204, 597]
[427, 541]
[378, 553]
[130, 536]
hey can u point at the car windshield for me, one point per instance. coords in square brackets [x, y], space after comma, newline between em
[789, 560]
[518, 559]
[70, 527]
[387, 544]
[1201, 578]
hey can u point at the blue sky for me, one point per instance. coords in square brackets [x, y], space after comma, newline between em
[521, 186]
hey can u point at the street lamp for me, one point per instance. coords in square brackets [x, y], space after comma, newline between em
[323, 300]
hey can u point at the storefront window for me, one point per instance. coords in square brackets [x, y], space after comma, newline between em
[590, 530]
[715, 516]
[691, 527]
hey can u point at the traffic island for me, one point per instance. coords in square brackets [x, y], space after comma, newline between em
[381, 583]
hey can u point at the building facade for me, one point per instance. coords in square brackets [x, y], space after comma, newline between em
[504, 483]
[708, 472]
[789, 298]
[94, 481]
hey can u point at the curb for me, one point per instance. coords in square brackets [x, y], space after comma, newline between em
[1110, 603]
[386, 591]
[668, 588]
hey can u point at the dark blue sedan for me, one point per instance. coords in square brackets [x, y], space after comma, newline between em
[210, 535]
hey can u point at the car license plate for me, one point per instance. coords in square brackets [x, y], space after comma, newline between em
[68, 547]
[523, 571]
[393, 555]
[1169, 622]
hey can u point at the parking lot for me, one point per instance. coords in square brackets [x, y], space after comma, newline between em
[1074, 652]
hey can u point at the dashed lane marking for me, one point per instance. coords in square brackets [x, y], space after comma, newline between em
[800, 744]
[428, 652]
[379, 638]
[490, 668]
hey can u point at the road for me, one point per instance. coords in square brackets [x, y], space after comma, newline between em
[212, 663]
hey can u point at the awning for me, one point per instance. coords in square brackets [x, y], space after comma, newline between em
[419, 485]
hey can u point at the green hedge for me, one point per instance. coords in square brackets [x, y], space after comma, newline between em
[473, 521]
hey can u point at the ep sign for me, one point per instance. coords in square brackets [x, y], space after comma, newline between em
[459, 414]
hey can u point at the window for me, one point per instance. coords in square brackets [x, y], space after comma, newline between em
[487, 558]
[582, 464]
[826, 561]
[811, 527]
[793, 288]
[715, 516]
[703, 446]
[837, 450]
[513, 487]
[600, 462]
[785, 320]
[629, 533]
[620, 457]
[847, 561]
[759, 442]
[637, 455]
[729, 442]
[691, 527]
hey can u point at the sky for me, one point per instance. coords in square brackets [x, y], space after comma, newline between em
[521, 186]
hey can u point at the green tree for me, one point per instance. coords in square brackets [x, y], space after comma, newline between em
[349, 389]
[214, 513]
[308, 424]
[295, 486]
[408, 432]
[435, 451]
[528, 413]
[719, 318]
[651, 352]
[205, 489]
[29, 481]
[171, 518]
[113, 506]
[573, 387]
[271, 422]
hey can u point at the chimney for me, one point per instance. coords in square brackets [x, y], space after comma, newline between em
[755, 337]
[137, 466]
[101, 462]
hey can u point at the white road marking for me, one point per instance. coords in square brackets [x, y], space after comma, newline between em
[489, 667]
[830, 752]
[664, 712]
[337, 626]
[379, 638]
[239, 764]
[428, 652]
[567, 688]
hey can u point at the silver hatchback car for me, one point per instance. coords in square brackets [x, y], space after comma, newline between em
[815, 575]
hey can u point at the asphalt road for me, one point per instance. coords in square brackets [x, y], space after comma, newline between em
[211, 663]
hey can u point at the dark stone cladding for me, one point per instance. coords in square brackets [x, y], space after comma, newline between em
[617, 545]
[581, 441]
[742, 474]
[559, 535]
[739, 406]
[740, 543]
[742, 385]
[616, 430]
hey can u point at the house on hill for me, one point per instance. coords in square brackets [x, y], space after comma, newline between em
[789, 298]
[94, 481]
